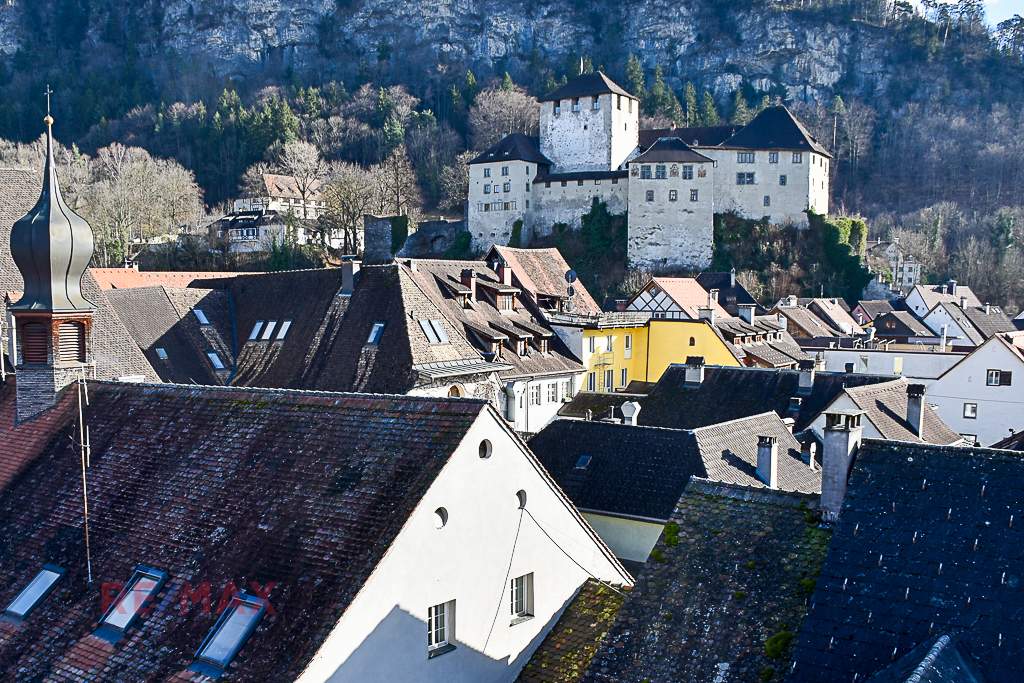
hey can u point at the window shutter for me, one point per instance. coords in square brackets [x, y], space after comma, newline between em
[33, 343]
[1004, 378]
[71, 342]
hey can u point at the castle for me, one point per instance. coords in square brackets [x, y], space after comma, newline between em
[670, 182]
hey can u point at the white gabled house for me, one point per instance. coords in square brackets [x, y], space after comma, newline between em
[982, 396]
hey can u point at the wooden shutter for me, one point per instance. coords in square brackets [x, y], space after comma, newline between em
[71, 342]
[33, 343]
[1004, 378]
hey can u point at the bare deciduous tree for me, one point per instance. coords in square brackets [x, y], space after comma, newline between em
[455, 181]
[500, 111]
[302, 161]
[349, 194]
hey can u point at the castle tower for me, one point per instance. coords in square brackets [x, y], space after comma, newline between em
[589, 124]
[52, 246]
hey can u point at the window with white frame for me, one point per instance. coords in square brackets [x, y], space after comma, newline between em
[590, 344]
[744, 178]
[487, 173]
[971, 411]
[628, 345]
[782, 180]
[660, 172]
[773, 157]
[487, 188]
[504, 170]
[645, 172]
[744, 157]
[608, 343]
[553, 392]
[591, 381]
[609, 380]
[998, 378]
[673, 195]
[624, 378]
[507, 187]
[522, 597]
[693, 195]
[567, 388]
[440, 627]
[798, 157]
[535, 395]
[649, 196]
[687, 172]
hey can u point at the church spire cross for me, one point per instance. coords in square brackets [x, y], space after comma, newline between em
[49, 117]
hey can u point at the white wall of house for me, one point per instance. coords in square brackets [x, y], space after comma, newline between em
[671, 219]
[629, 539]
[310, 209]
[955, 333]
[261, 238]
[998, 410]
[499, 194]
[538, 399]
[916, 365]
[486, 542]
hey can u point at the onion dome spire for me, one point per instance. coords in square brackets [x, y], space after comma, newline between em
[52, 245]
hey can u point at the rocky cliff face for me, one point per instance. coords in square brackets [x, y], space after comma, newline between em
[772, 50]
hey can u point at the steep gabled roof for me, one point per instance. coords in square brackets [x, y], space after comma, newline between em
[730, 292]
[1014, 442]
[898, 324]
[128, 278]
[670, 149]
[587, 85]
[687, 294]
[807, 323]
[301, 493]
[514, 147]
[775, 128]
[924, 547]
[885, 405]
[875, 308]
[934, 294]
[277, 185]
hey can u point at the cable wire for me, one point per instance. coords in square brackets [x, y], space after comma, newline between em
[585, 570]
[508, 571]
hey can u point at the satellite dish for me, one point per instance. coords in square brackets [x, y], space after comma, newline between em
[570, 276]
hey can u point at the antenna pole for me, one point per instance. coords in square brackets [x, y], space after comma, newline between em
[84, 447]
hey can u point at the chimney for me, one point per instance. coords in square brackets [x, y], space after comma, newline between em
[841, 439]
[871, 334]
[768, 460]
[694, 373]
[588, 415]
[806, 376]
[746, 312]
[795, 403]
[620, 304]
[349, 268]
[915, 408]
[732, 278]
[706, 314]
[411, 264]
[630, 409]
[712, 297]
[468, 280]
[963, 302]
[504, 273]
[951, 287]
[988, 308]
[790, 423]
[943, 338]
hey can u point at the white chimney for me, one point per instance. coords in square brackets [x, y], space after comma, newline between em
[694, 374]
[807, 453]
[732, 278]
[943, 338]
[842, 436]
[706, 314]
[790, 423]
[951, 287]
[806, 376]
[746, 312]
[768, 460]
[712, 297]
[915, 408]
[630, 409]
[349, 268]
[963, 301]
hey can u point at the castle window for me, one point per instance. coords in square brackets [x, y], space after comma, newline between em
[693, 195]
[71, 342]
[650, 195]
[487, 207]
[504, 170]
[618, 102]
[782, 180]
[507, 187]
[564, 183]
[597, 103]
[630, 106]
[580, 183]
[687, 172]
[487, 188]
[527, 203]
[585, 126]
[767, 200]
[556, 108]
[645, 172]
[673, 195]
[798, 157]
[744, 157]
[575, 104]
[527, 186]
[597, 181]
[659, 172]
[744, 178]
[615, 181]
[773, 157]
[487, 172]
[547, 183]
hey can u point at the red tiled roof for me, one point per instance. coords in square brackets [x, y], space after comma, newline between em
[129, 278]
[542, 271]
[688, 295]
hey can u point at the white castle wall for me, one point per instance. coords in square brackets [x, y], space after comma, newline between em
[494, 225]
[568, 203]
[581, 138]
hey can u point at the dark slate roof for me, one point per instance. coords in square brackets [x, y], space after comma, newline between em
[21, 190]
[991, 323]
[574, 176]
[776, 354]
[731, 393]
[730, 295]
[642, 471]
[885, 405]
[900, 324]
[700, 136]
[941, 659]
[875, 308]
[669, 149]
[20, 442]
[775, 128]
[600, 404]
[586, 85]
[514, 147]
[1014, 442]
[732, 570]
[924, 546]
[162, 318]
[569, 646]
[246, 219]
[215, 484]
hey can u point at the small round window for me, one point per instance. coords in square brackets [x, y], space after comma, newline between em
[521, 498]
[485, 449]
[440, 518]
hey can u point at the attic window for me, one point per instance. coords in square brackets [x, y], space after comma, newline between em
[583, 462]
[434, 331]
[145, 583]
[228, 635]
[215, 360]
[200, 316]
[375, 334]
[34, 592]
[256, 330]
[268, 331]
[161, 353]
[283, 330]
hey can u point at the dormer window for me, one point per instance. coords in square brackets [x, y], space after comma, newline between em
[542, 344]
[521, 347]
[34, 593]
[557, 108]
[505, 302]
[229, 634]
[145, 583]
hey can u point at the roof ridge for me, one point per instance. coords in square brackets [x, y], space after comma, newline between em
[948, 449]
[755, 494]
[737, 419]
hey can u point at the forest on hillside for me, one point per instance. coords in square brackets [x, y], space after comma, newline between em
[935, 156]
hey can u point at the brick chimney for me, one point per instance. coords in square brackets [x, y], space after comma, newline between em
[468, 280]
[694, 374]
[806, 376]
[630, 410]
[504, 273]
[746, 312]
[768, 461]
[951, 287]
[915, 408]
[842, 437]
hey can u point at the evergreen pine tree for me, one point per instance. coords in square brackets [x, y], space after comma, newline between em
[693, 117]
[741, 113]
[507, 83]
[635, 78]
[709, 114]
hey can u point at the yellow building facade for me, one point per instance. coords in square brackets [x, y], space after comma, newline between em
[616, 355]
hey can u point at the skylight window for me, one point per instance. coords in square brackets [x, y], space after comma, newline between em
[200, 316]
[434, 331]
[375, 334]
[218, 364]
[583, 462]
[269, 330]
[161, 353]
[229, 634]
[283, 330]
[256, 330]
[144, 584]
[34, 592]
